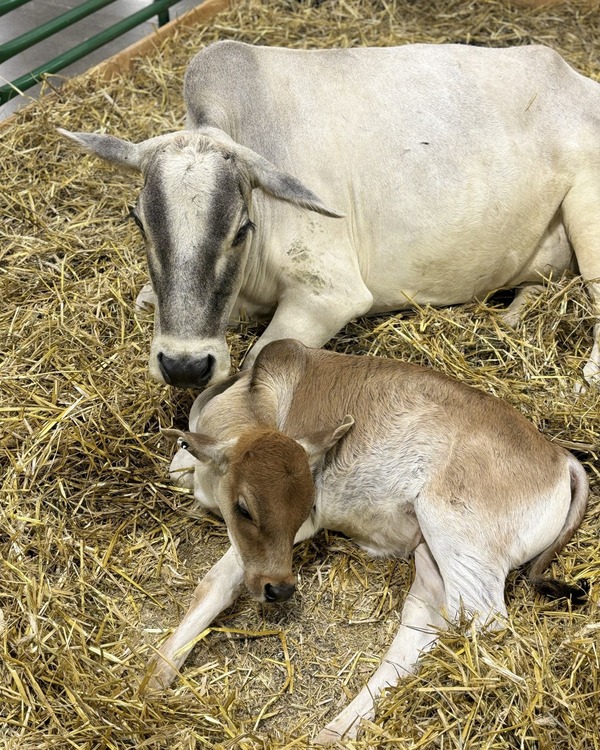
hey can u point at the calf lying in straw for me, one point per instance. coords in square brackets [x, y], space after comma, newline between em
[424, 466]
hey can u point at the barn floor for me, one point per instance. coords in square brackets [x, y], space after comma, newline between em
[100, 553]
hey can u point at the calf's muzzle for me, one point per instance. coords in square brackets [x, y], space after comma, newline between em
[186, 370]
[279, 592]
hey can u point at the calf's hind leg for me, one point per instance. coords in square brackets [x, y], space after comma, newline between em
[422, 617]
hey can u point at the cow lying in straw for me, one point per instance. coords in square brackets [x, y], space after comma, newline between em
[457, 171]
[403, 460]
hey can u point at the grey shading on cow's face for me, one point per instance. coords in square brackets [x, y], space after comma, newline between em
[194, 211]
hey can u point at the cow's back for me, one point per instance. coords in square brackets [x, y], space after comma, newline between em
[285, 101]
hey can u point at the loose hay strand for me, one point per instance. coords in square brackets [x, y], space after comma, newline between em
[100, 553]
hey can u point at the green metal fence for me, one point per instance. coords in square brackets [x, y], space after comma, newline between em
[159, 8]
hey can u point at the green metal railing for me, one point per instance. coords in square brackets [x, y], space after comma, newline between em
[158, 8]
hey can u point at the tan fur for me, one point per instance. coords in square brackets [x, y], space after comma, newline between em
[270, 471]
[404, 460]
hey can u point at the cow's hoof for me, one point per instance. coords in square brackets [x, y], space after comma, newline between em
[512, 318]
[146, 299]
[591, 377]
[591, 373]
[159, 676]
[337, 731]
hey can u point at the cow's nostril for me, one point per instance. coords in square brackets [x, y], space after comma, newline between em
[279, 592]
[186, 371]
[205, 368]
[165, 364]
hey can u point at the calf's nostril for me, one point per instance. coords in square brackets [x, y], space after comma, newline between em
[279, 592]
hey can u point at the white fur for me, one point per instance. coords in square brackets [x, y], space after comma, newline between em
[459, 171]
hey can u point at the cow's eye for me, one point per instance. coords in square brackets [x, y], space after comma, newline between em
[138, 222]
[242, 509]
[182, 443]
[242, 233]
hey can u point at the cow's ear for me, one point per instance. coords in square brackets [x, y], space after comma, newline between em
[267, 177]
[202, 447]
[318, 443]
[123, 154]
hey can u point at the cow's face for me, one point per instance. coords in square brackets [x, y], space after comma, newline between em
[194, 212]
[265, 492]
[195, 215]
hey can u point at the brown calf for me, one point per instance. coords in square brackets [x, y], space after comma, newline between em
[425, 466]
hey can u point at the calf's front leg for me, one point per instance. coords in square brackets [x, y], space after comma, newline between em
[218, 590]
[421, 619]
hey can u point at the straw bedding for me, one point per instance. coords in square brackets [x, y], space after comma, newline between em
[99, 553]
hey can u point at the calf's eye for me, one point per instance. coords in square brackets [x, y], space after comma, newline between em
[242, 509]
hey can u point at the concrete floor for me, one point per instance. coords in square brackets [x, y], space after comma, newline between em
[36, 12]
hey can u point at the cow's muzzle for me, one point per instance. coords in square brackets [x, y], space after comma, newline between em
[186, 370]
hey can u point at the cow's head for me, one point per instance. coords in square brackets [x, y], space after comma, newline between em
[264, 488]
[195, 214]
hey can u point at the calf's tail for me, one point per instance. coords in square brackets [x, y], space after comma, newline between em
[551, 587]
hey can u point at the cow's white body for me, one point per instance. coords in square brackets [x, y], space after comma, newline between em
[451, 163]
[429, 468]
[460, 170]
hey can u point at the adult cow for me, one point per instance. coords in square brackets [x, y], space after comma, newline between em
[401, 459]
[457, 170]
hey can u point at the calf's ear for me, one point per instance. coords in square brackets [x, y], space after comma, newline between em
[317, 444]
[202, 447]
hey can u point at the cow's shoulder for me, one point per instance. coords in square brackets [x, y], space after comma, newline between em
[542, 58]
[226, 52]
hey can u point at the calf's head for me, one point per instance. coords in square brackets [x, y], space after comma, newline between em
[265, 492]
[194, 212]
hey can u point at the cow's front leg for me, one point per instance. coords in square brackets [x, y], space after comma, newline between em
[181, 469]
[421, 619]
[581, 211]
[313, 318]
[218, 590]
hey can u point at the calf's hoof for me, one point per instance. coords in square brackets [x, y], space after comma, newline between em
[159, 676]
[181, 470]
